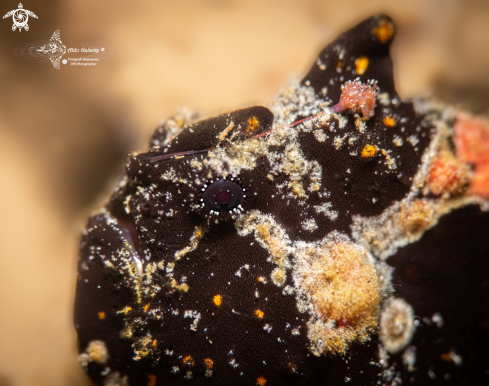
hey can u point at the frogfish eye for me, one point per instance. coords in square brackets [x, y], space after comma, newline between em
[223, 195]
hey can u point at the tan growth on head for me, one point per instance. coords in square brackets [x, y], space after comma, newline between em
[96, 352]
[342, 285]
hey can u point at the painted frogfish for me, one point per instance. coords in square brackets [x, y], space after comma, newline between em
[339, 235]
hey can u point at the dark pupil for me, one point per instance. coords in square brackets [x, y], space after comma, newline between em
[223, 198]
[222, 195]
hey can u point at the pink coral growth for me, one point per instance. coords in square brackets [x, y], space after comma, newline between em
[358, 96]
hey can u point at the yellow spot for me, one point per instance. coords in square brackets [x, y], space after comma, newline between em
[383, 31]
[154, 343]
[179, 156]
[259, 314]
[209, 363]
[361, 65]
[180, 122]
[101, 315]
[389, 121]
[261, 381]
[146, 307]
[368, 151]
[253, 125]
[125, 310]
[217, 300]
[188, 360]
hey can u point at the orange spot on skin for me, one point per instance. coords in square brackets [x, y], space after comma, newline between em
[447, 174]
[217, 300]
[261, 279]
[253, 125]
[261, 381]
[101, 315]
[188, 360]
[209, 363]
[151, 380]
[389, 121]
[146, 307]
[259, 314]
[358, 97]
[384, 31]
[154, 343]
[361, 65]
[368, 151]
[472, 146]
[340, 64]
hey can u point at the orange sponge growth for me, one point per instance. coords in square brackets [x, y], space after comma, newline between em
[447, 174]
[472, 145]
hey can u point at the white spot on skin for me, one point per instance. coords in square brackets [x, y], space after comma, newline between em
[309, 225]
[413, 140]
[326, 210]
[338, 141]
[397, 140]
[384, 99]
[396, 325]
[360, 125]
[320, 135]
[409, 358]
[169, 175]
[267, 328]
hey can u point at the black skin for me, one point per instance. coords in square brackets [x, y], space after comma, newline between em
[450, 262]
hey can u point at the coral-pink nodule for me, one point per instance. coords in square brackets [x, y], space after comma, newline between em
[358, 96]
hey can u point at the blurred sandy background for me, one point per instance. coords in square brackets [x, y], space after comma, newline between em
[64, 135]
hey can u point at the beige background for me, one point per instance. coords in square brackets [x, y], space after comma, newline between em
[64, 135]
